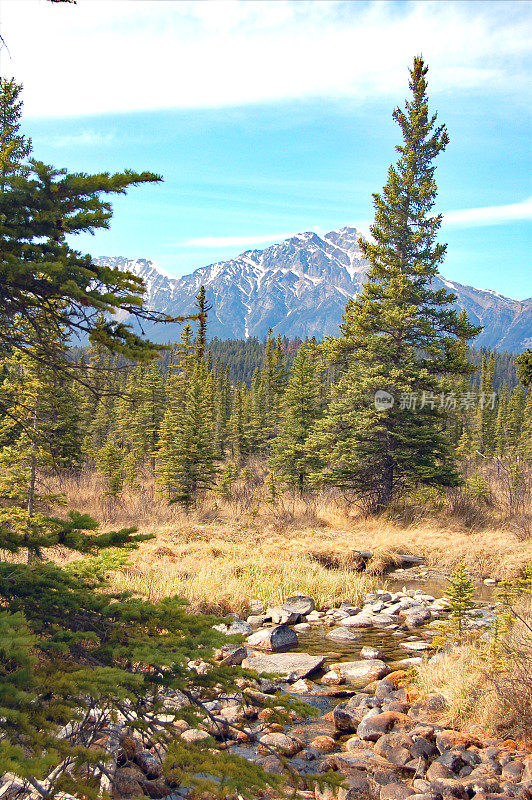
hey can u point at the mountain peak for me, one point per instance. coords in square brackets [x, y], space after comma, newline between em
[299, 287]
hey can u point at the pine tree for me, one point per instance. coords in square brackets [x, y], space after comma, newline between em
[238, 428]
[524, 367]
[75, 660]
[186, 454]
[401, 335]
[293, 458]
[14, 146]
[459, 597]
[110, 463]
[201, 337]
[41, 275]
[273, 376]
[484, 423]
[515, 418]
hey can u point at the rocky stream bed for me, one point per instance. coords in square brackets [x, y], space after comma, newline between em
[350, 663]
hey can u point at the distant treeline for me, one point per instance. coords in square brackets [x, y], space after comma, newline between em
[242, 357]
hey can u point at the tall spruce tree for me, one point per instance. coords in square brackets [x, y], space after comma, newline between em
[401, 335]
[293, 458]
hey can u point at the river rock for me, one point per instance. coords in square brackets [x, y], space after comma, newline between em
[289, 665]
[281, 743]
[280, 615]
[342, 635]
[416, 647]
[300, 604]
[333, 678]
[325, 744]
[429, 709]
[239, 628]
[360, 673]
[396, 791]
[234, 656]
[257, 619]
[302, 627]
[347, 717]
[373, 726]
[370, 652]
[418, 618]
[194, 735]
[128, 782]
[277, 638]
[149, 764]
[361, 620]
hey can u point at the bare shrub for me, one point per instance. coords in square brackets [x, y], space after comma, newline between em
[512, 681]
[467, 510]
[382, 560]
[521, 525]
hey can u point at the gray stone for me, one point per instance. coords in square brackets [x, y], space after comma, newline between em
[257, 619]
[359, 621]
[360, 673]
[416, 647]
[342, 635]
[237, 628]
[370, 652]
[288, 665]
[302, 627]
[280, 743]
[277, 638]
[280, 615]
[300, 604]
[235, 656]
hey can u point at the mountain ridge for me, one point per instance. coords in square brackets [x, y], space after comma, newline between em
[299, 287]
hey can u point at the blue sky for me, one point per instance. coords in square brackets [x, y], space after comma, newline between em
[270, 118]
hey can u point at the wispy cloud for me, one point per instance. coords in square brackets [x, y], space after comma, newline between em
[462, 218]
[234, 241]
[84, 139]
[154, 54]
[489, 215]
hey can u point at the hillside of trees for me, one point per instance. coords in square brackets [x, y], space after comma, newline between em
[395, 406]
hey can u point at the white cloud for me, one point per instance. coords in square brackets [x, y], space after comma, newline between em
[489, 215]
[95, 58]
[234, 241]
[462, 218]
[84, 139]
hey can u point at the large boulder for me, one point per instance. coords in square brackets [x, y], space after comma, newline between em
[291, 666]
[300, 604]
[347, 717]
[429, 709]
[280, 743]
[279, 638]
[281, 615]
[373, 726]
[360, 673]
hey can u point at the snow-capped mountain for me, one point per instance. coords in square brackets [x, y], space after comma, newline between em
[300, 287]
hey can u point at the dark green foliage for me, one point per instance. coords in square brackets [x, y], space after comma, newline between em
[400, 335]
[293, 458]
[524, 367]
[459, 597]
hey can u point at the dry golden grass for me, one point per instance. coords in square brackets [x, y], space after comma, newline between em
[226, 554]
[460, 677]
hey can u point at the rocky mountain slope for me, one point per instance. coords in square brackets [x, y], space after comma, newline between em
[299, 287]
